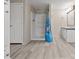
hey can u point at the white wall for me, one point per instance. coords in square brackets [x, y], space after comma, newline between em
[27, 22]
[59, 18]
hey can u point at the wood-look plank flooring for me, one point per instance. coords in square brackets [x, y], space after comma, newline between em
[59, 49]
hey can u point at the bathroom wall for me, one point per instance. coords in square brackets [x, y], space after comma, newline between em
[59, 16]
[37, 24]
[27, 22]
[58, 20]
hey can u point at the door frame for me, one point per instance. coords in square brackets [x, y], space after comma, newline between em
[7, 29]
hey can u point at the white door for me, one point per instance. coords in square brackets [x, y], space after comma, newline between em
[16, 23]
[7, 29]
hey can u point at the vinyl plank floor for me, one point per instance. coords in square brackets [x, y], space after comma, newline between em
[59, 49]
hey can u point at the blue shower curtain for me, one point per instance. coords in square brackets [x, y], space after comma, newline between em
[48, 32]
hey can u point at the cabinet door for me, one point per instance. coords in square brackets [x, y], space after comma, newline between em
[70, 35]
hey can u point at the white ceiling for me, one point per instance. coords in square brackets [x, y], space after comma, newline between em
[62, 4]
[59, 4]
[41, 4]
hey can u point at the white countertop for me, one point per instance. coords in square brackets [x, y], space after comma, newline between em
[68, 28]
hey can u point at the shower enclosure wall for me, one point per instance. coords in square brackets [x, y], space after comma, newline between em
[38, 24]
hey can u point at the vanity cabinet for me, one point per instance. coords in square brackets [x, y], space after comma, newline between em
[68, 34]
